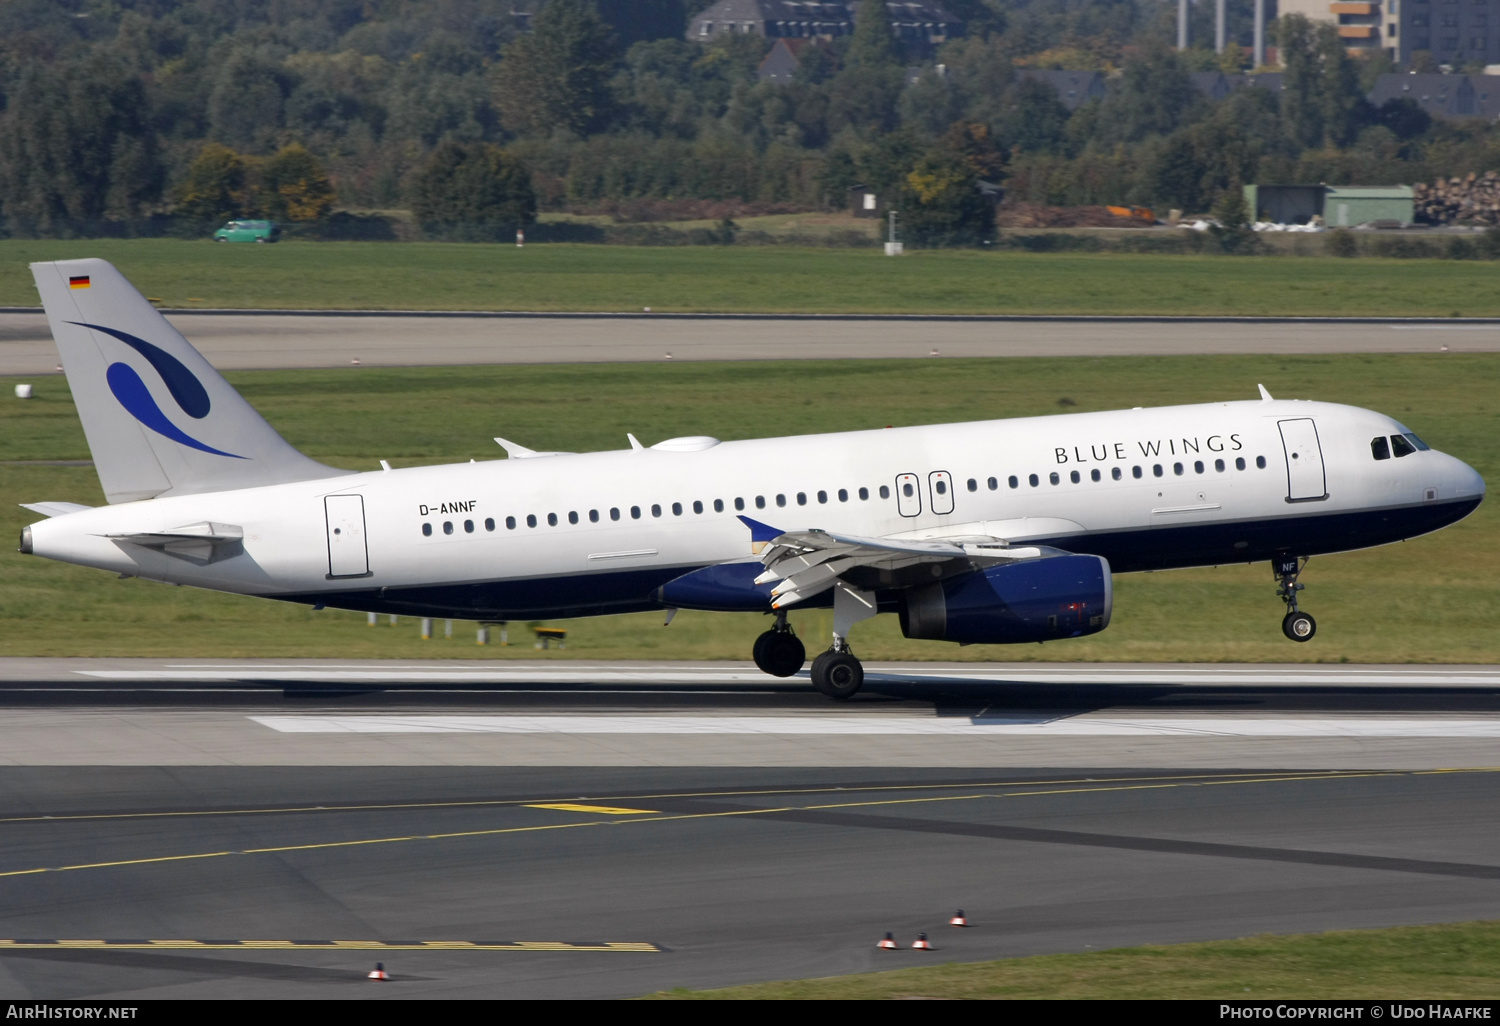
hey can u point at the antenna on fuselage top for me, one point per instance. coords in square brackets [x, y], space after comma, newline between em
[1265, 396]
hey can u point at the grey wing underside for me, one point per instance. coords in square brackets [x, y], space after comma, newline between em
[808, 563]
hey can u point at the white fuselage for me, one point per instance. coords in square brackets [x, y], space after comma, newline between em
[1177, 486]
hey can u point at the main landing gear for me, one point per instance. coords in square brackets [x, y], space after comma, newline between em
[1297, 625]
[837, 673]
[778, 651]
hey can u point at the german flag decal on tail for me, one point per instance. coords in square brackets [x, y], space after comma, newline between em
[78, 281]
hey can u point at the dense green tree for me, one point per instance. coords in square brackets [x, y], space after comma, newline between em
[940, 203]
[294, 186]
[1032, 118]
[75, 148]
[873, 44]
[473, 191]
[215, 186]
[245, 106]
[1321, 100]
[1154, 96]
[558, 76]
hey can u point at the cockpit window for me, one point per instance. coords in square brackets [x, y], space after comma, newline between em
[1401, 447]
[1414, 440]
[1380, 448]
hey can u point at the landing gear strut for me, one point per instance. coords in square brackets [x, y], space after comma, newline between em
[1297, 625]
[778, 651]
[837, 673]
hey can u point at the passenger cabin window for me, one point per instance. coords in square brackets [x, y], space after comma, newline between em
[1093, 475]
[1239, 463]
[718, 505]
[885, 491]
[551, 519]
[468, 527]
[1013, 481]
[781, 500]
[447, 527]
[655, 509]
[802, 498]
[1401, 447]
[677, 509]
[697, 506]
[864, 495]
[994, 484]
[739, 504]
[510, 523]
[1380, 448]
[635, 512]
[1033, 480]
[973, 485]
[1074, 477]
[1219, 466]
[760, 502]
[426, 530]
[593, 516]
[843, 495]
[573, 516]
[1260, 463]
[822, 496]
[1156, 469]
[1115, 473]
[1054, 478]
[614, 513]
[1135, 472]
[1177, 469]
[1198, 466]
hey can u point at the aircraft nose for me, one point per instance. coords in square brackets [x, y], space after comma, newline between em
[1468, 482]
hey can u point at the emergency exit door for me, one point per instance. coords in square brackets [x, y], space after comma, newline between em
[348, 555]
[1305, 479]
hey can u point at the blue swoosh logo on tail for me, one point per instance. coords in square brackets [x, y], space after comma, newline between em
[185, 388]
[133, 394]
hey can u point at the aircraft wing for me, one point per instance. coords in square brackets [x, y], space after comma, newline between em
[808, 563]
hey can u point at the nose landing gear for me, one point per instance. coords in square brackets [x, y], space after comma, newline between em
[1297, 625]
[778, 651]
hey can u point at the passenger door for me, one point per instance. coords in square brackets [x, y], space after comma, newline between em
[1305, 478]
[348, 555]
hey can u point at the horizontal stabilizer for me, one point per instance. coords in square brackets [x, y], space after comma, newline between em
[55, 509]
[202, 543]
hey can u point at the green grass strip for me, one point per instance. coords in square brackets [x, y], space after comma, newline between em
[1455, 961]
[770, 279]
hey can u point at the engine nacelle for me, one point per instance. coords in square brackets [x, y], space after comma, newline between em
[1037, 600]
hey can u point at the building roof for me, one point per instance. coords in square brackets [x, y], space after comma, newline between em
[1399, 192]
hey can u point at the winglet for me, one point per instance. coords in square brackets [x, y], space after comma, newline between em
[1265, 396]
[760, 532]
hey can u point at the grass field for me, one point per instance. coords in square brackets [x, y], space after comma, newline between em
[1415, 962]
[440, 276]
[1435, 599]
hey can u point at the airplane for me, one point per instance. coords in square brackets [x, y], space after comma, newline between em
[992, 532]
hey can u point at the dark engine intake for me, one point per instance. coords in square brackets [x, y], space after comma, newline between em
[1038, 600]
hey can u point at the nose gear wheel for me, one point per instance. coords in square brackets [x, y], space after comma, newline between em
[1296, 625]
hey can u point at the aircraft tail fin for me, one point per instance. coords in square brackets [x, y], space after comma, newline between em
[159, 419]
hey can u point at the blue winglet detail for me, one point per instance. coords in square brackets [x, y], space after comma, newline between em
[760, 532]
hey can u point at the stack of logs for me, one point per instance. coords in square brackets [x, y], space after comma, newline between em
[1473, 199]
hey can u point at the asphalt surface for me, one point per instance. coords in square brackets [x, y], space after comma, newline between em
[274, 829]
[250, 341]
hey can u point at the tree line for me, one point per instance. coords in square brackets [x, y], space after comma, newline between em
[121, 116]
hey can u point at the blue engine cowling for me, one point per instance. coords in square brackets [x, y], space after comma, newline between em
[1038, 600]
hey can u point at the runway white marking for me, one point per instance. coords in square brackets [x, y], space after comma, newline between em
[678, 674]
[1009, 726]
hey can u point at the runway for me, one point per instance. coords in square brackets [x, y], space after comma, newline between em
[173, 828]
[258, 341]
